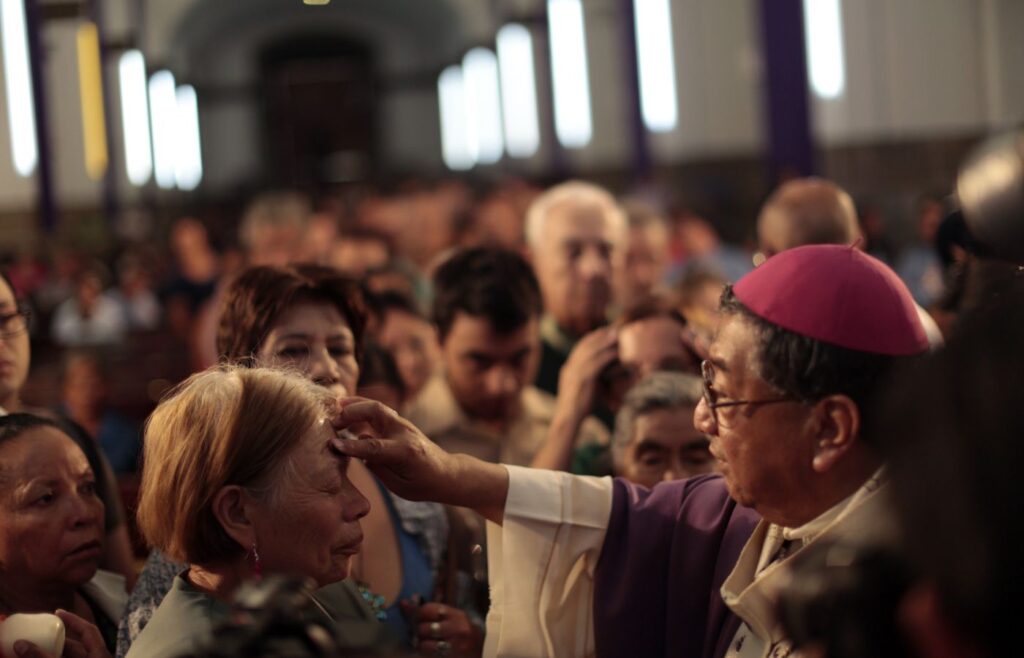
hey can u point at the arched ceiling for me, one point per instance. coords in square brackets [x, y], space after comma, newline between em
[437, 30]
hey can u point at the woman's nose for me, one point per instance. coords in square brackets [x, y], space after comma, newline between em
[84, 512]
[322, 366]
[357, 506]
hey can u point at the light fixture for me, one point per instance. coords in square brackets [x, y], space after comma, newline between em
[452, 105]
[138, 155]
[189, 170]
[656, 64]
[483, 105]
[518, 90]
[163, 111]
[18, 78]
[90, 89]
[573, 123]
[823, 32]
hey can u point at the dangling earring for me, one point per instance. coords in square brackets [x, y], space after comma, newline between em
[257, 567]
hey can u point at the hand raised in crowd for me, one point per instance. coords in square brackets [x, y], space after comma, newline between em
[578, 379]
[445, 631]
[577, 390]
[413, 466]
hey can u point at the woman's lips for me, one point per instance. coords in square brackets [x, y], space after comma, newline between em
[88, 549]
[351, 548]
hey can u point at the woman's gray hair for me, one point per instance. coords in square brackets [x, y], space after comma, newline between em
[659, 390]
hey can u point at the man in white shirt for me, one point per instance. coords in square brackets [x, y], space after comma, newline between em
[586, 566]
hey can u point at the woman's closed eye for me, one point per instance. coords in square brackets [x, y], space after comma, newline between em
[339, 351]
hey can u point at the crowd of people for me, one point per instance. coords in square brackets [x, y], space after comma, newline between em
[414, 402]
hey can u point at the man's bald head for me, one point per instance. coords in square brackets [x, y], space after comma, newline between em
[807, 211]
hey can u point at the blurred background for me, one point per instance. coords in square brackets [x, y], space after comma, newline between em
[140, 140]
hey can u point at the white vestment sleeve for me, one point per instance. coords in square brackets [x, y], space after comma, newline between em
[541, 564]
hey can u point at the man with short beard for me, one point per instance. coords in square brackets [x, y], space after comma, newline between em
[487, 308]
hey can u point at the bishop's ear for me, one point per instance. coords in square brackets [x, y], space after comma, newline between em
[837, 427]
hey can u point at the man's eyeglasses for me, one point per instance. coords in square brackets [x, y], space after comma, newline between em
[12, 324]
[707, 372]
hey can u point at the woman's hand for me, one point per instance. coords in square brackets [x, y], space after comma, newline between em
[446, 631]
[81, 639]
[413, 466]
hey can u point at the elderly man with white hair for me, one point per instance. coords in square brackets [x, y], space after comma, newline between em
[576, 233]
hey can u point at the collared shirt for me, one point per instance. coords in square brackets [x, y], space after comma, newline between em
[753, 586]
[551, 539]
[437, 414]
[554, 336]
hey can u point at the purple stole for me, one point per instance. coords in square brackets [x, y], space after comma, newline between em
[667, 552]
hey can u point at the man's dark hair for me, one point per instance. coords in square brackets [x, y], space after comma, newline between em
[810, 369]
[495, 284]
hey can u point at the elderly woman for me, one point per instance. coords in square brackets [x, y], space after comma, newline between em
[15, 357]
[239, 480]
[655, 439]
[51, 534]
[311, 318]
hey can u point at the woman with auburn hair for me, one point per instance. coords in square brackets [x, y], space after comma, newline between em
[239, 479]
[311, 319]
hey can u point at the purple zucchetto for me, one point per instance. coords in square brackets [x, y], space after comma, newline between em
[837, 295]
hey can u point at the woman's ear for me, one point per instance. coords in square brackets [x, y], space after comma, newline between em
[231, 506]
[837, 429]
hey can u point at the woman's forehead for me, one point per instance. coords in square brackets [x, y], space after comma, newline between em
[40, 451]
[303, 312]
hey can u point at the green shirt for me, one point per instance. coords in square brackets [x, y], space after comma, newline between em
[187, 617]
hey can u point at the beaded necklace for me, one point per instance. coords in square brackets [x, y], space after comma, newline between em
[375, 601]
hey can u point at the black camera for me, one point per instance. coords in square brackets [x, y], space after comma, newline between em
[271, 618]
[843, 601]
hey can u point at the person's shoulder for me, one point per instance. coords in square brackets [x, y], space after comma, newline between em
[537, 403]
[353, 618]
[700, 493]
[696, 505]
[183, 620]
[109, 592]
[434, 409]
